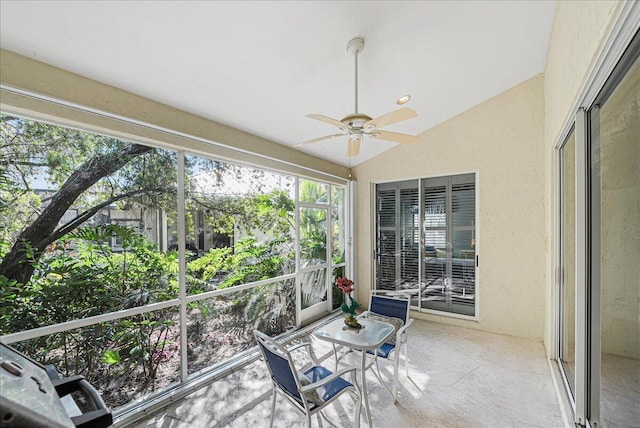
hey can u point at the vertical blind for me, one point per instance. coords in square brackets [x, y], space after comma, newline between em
[386, 240]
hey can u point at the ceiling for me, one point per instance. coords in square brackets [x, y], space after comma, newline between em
[262, 66]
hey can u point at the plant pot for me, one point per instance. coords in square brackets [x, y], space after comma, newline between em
[352, 322]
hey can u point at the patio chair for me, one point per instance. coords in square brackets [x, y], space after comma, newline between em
[311, 390]
[394, 311]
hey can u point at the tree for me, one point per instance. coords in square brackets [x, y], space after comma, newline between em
[88, 168]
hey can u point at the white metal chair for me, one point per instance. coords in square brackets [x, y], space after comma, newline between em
[391, 309]
[310, 390]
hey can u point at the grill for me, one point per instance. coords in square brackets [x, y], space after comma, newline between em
[32, 396]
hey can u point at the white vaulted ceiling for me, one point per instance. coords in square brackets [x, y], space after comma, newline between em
[262, 66]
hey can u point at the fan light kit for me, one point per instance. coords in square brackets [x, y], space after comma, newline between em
[357, 124]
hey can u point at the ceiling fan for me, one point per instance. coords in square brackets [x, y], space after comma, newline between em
[356, 125]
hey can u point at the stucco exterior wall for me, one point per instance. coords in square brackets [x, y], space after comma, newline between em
[501, 139]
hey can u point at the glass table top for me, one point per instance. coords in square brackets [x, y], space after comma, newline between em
[373, 334]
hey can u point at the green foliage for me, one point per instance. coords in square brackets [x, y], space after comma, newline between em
[249, 261]
[147, 341]
[313, 234]
[82, 274]
[255, 261]
[111, 357]
[271, 307]
[350, 308]
[210, 265]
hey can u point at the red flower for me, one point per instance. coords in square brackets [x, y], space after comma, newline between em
[345, 284]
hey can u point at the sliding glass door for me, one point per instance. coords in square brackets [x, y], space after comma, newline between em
[426, 242]
[449, 271]
[598, 329]
[614, 391]
[567, 270]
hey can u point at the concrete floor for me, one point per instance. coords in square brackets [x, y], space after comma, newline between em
[458, 378]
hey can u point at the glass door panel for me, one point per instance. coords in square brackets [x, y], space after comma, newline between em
[567, 284]
[386, 240]
[616, 169]
[449, 265]
[463, 252]
[409, 240]
[397, 236]
[434, 223]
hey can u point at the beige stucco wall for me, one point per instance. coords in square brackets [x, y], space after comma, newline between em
[578, 34]
[501, 139]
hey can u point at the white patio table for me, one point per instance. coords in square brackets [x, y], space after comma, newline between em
[371, 337]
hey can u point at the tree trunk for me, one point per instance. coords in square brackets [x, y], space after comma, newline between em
[19, 263]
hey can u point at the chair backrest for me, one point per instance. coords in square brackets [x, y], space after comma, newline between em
[390, 307]
[279, 363]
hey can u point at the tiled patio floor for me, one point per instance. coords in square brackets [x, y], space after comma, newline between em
[458, 378]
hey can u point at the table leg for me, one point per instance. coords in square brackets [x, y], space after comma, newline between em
[365, 396]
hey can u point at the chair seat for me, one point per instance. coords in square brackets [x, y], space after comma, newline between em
[384, 350]
[330, 390]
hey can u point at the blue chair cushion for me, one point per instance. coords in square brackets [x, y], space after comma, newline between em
[384, 350]
[330, 390]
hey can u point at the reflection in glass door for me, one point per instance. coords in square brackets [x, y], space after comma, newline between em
[567, 271]
[615, 266]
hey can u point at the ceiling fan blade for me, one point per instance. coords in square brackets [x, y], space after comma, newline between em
[329, 120]
[396, 137]
[353, 146]
[389, 118]
[315, 140]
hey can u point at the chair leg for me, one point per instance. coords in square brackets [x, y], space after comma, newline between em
[396, 362]
[273, 407]
[406, 359]
[308, 420]
[358, 410]
[377, 372]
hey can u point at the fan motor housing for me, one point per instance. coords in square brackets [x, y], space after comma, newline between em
[355, 120]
